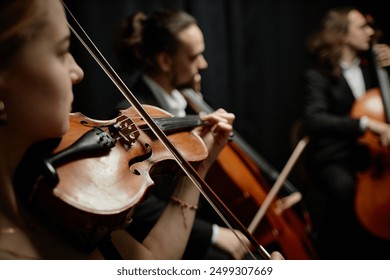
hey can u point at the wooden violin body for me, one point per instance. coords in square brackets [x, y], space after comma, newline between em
[97, 191]
[372, 200]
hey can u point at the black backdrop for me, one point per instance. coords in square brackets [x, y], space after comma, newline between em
[256, 55]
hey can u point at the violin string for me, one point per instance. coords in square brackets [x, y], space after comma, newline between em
[179, 123]
[185, 165]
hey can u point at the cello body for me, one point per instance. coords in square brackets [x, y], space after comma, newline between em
[239, 183]
[237, 180]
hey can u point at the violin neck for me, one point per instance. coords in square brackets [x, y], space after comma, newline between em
[177, 124]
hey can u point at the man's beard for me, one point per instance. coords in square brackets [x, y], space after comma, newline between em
[184, 85]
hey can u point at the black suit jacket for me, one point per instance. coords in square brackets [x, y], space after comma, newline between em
[142, 93]
[148, 211]
[327, 106]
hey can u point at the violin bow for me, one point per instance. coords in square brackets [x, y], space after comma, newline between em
[278, 184]
[187, 168]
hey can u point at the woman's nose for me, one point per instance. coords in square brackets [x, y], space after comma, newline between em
[76, 73]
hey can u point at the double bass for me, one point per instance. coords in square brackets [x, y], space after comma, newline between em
[372, 199]
[237, 178]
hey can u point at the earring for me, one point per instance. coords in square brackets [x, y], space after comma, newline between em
[3, 114]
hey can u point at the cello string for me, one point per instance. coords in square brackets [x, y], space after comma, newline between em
[185, 166]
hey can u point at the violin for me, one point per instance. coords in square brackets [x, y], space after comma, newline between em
[119, 156]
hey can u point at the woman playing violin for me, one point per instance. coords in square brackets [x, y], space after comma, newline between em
[36, 77]
[339, 77]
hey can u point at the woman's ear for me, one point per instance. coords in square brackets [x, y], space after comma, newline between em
[164, 61]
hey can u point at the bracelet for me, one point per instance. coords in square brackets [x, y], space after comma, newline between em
[183, 205]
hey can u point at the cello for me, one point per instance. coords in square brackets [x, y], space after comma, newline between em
[237, 179]
[372, 198]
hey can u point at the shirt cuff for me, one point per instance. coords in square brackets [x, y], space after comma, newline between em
[363, 123]
[215, 233]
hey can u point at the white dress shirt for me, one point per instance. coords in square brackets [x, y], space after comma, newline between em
[354, 76]
[173, 103]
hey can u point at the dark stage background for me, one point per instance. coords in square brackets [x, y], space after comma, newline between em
[256, 54]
